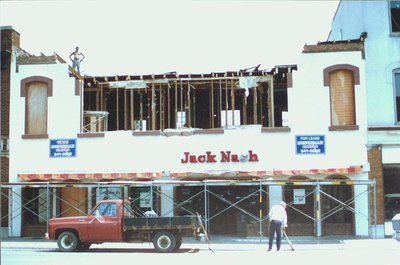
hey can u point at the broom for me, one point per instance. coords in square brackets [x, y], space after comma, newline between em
[290, 243]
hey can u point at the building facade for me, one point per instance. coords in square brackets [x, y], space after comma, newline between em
[380, 20]
[227, 145]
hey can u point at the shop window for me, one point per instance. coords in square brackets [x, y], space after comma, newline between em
[341, 80]
[395, 16]
[396, 84]
[36, 90]
[391, 180]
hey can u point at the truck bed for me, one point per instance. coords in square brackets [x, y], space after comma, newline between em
[154, 223]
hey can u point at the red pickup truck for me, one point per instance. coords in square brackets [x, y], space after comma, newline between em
[114, 221]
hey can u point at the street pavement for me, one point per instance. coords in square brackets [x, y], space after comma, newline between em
[226, 250]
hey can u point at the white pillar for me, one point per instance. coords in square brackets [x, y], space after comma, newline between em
[275, 195]
[15, 212]
[167, 200]
[361, 208]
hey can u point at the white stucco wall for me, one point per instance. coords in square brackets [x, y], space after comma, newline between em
[120, 151]
[63, 119]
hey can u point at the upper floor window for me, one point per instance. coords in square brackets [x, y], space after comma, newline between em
[36, 109]
[342, 98]
[396, 82]
[341, 80]
[36, 90]
[395, 16]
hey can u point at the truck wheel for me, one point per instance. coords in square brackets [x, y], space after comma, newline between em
[164, 242]
[67, 241]
[178, 243]
[83, 246]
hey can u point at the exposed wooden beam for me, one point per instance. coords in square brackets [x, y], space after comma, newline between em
[212, 104]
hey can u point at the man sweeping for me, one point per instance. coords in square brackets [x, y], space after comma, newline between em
[278, 221]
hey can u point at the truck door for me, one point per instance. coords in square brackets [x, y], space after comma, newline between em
[104, 224]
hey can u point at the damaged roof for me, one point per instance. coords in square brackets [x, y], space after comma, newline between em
[338, 46]
[280, 69]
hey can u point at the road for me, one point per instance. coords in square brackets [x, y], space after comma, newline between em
[346, 252]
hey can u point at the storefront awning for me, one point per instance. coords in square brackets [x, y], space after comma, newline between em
[177, 175]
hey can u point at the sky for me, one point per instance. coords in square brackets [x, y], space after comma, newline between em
[133, 37]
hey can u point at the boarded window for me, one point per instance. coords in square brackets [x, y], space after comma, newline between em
[36, 108]
[342, 98]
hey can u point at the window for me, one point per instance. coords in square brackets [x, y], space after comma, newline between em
[395, 16]
[341, 80]
[36, 108]
[342, 98]
[36, 89]
[397, 93]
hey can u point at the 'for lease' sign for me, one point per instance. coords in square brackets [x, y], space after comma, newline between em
[310, 144]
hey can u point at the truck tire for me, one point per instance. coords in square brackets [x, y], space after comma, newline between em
[164, 242]
[178, 243]
[67, 241]
[83, 246]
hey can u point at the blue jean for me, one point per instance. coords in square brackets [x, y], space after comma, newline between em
[275, 227]
[76, 64]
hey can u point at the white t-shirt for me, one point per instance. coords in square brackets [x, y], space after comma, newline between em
[278, 213]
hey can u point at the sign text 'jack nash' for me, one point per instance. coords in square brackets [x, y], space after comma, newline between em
[225, 157]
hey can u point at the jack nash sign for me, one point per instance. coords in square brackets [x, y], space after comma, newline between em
[222, 157]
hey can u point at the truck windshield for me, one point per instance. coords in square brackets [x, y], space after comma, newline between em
[106, 209]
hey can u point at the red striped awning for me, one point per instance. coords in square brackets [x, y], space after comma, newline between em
[89, 176]
[274, 173]
[175, 175]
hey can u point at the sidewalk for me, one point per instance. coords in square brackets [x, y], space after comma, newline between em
[228, 242]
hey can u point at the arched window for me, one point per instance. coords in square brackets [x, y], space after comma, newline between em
[36, 90]
[396, 85]
[342, 98]
[341, 80]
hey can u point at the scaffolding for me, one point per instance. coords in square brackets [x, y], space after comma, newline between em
[47, 197]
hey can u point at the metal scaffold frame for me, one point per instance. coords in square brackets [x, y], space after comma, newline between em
[51, 195]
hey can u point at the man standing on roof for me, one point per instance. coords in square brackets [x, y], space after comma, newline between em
[76, 58]
[278, 221]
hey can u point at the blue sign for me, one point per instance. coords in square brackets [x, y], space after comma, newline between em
[310, 144]
[63, 148]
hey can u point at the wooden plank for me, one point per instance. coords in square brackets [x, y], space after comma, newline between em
[125, 111]
[117, 96]
[233, 101]
[132, 111]
[271, 103]
[226, 102]
[188, 118]
[153, 108]
[212, 104]
[169, 105]
[176, 104]
[255, 104]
